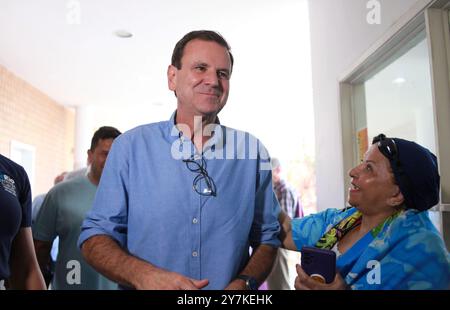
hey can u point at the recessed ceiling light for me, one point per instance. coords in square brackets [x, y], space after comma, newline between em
[399, 81]
[123, 33]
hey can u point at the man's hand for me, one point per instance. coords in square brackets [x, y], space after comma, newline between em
[108, 258]
[158, 279]
[305, 282]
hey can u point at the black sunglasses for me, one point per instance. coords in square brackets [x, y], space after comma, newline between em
[200, 168]
[388, 148]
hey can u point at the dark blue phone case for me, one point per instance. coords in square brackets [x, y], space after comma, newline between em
[320, 262]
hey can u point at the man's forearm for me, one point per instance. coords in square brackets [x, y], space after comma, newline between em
[108, 258]
[43, 249]
[261, 262]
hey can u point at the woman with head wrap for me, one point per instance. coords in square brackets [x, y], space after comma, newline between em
[385, 240]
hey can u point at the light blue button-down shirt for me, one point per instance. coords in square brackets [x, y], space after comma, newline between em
[146, 202]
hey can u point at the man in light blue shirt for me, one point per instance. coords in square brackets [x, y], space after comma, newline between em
[181, 201]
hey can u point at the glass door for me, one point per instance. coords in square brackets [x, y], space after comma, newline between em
[397, 100]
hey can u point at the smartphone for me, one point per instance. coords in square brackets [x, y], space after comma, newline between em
[319, 264]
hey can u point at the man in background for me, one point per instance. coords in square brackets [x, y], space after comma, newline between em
[49, 268]
[62, 212]
[283, 272]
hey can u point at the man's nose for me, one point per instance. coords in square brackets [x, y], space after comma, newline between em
[211, 78]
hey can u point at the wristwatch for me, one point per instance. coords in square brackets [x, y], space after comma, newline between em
[250, 282]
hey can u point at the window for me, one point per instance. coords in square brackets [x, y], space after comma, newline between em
[402, 89]
[397, 100]
[24, 155]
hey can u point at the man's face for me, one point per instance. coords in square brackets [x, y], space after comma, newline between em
[202, 84]
[97, 157]
[276, 175]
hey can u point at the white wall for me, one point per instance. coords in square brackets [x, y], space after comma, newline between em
[340, 34]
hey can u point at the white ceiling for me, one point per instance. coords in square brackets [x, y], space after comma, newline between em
[85, 64]
[122, 82]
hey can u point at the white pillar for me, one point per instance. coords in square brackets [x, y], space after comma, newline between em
[83, 134]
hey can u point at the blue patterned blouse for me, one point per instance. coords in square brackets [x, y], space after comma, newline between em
[406, 253]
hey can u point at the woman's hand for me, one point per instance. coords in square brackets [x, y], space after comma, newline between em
[305, 282]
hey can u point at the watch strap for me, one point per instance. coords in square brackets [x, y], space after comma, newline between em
[250, 282]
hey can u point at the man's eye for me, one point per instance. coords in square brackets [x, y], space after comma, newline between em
[368, 167]
[223, 75]
[200, 68]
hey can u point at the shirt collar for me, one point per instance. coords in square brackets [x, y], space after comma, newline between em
[216, 142]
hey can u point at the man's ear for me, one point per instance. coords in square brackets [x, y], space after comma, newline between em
[397, 198]
[172, 77]
[90, 156]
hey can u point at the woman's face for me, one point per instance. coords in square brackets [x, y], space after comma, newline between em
[373, 189]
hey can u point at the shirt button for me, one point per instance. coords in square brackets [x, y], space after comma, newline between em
[195, 254]
[194, 220]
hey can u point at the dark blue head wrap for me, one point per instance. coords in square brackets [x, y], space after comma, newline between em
[415, 169]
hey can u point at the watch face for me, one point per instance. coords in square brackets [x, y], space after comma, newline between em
[252, 284]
